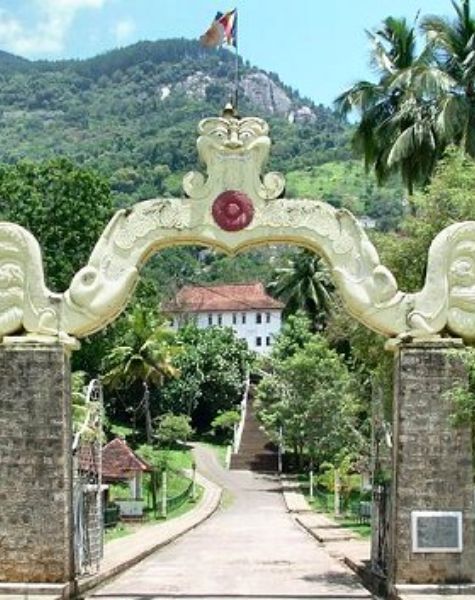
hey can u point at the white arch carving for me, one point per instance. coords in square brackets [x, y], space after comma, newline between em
[234, 152]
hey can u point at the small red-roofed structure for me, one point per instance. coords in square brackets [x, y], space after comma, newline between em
[119, 462]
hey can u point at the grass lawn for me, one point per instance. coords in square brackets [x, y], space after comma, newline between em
[324, 503]
[119, 531]
[124, 529]
[362, 529]
[177, 460]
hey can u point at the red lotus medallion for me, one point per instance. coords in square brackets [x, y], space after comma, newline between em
[232, 210]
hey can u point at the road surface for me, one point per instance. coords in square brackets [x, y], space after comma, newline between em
[251, 548]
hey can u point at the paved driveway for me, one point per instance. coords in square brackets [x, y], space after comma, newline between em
[250, 548]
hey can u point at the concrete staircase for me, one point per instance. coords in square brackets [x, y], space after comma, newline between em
[256, 452]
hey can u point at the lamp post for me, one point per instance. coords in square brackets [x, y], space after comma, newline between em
[164, 493]
[280, 450]
[193, 487]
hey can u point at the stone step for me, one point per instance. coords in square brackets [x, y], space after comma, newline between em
[261, 443]
[256, 451]
[257, 462]
[254, 466]
[256, 456]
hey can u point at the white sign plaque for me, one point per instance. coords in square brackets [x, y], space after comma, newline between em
[130, 508]
[436, 531]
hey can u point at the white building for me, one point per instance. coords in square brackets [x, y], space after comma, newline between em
[246, 307]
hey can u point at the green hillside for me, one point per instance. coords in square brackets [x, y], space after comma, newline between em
[344, 184]
[132, 113]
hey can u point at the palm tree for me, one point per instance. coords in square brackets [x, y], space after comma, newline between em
[397, 130]
[453, 45]
[304, 285]
[146, 359]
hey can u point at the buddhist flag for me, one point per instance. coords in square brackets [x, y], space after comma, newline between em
[223, 30]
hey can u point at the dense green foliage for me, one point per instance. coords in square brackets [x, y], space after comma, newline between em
[344, 184]
[447, 199]
[141, 360]
[172, 429]
[64, 206]
[132, 113]
[213, 366]
[223, 425]
[309, 396]
[304, 284]
[422, 101]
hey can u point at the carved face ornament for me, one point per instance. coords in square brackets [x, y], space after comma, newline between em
[232, 138]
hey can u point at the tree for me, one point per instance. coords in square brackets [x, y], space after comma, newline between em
[144, 359]
[448, 199]
[453, 45]
[224, 424]
[294, 334]
[397, 131]
[173, 428]
[309, 395]
[64, 206]
[213, 367]
[304, 285]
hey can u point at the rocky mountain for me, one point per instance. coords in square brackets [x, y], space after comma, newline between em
[132, 113]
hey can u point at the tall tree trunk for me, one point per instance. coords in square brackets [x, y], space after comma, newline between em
[148, 415]
[149, 437]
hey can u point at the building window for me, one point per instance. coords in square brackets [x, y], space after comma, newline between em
[267, 319]
[243, 318]
[258, 341]
[220, 319]
[258, 318]
[210, 319]
[268, 340]
[234, 318]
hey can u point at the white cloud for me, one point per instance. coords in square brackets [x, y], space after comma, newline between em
[123, 30]
[49, 34]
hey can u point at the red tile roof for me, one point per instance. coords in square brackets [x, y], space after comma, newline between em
[237, 296]
[119, 462]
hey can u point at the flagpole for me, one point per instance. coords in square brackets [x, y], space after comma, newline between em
[236, 81]
[223, 30]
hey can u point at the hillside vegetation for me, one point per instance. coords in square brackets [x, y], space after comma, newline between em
[132, 114]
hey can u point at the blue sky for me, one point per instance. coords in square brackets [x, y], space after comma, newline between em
[317, 46]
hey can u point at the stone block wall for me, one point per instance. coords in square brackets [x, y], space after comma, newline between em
[36, 541]
[432, 462]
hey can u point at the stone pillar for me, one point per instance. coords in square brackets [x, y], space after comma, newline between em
[432, 470]
[36, 519]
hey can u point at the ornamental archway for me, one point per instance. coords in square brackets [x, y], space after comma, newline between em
[235, 206]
